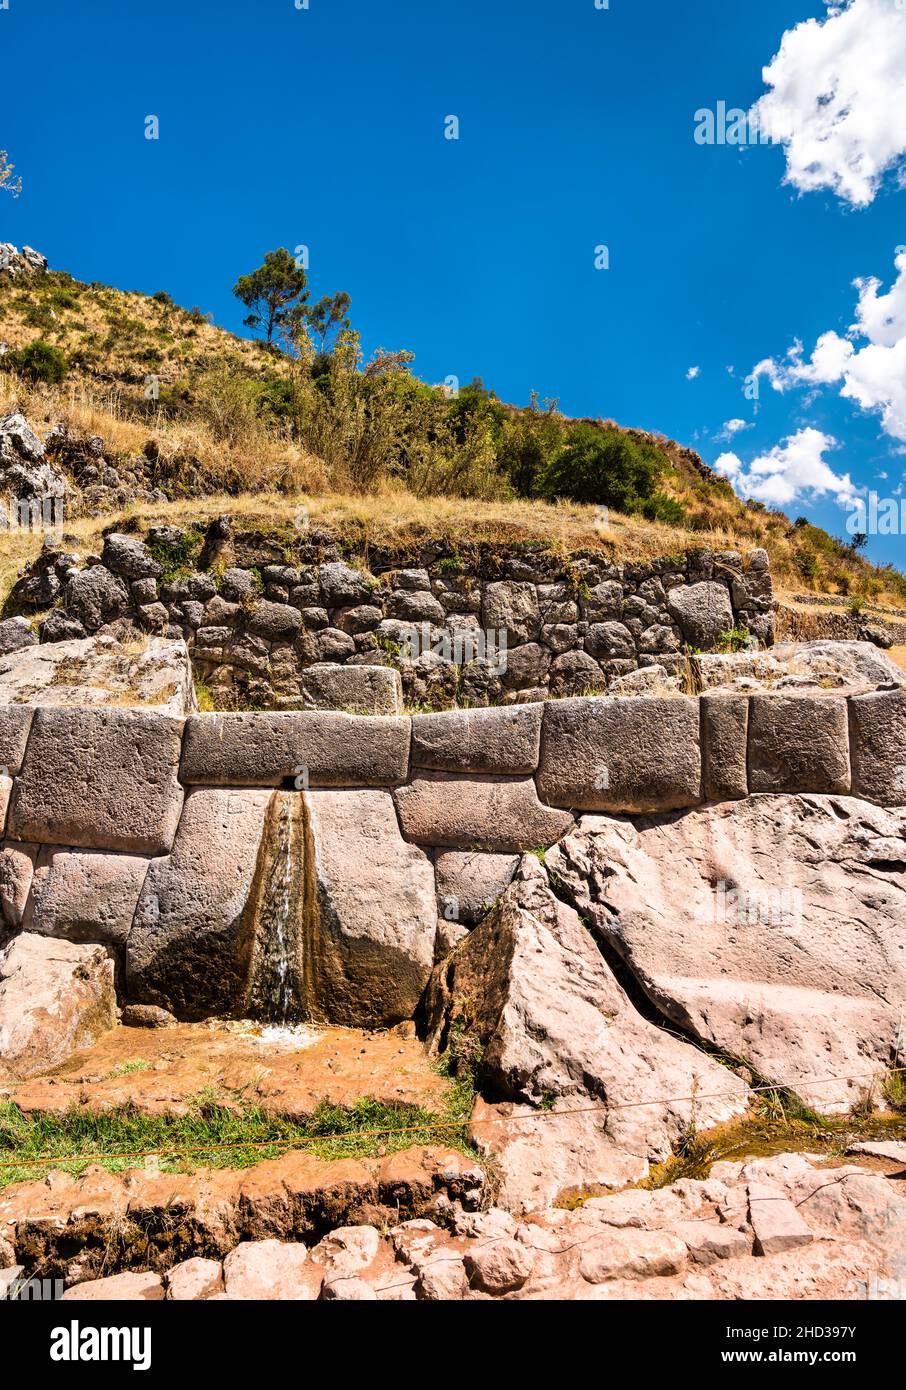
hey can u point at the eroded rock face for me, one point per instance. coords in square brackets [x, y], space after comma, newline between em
[771, 928]
[531, 990]
[55, 997]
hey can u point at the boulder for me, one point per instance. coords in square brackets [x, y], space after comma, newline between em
[25, 472]
[374, 914]
[702, 611]
[270, 1270]
[95, 597]
[16, 633]
[194, 1280]
[319, 748]
[55, 998]
[770, 928]
[528, 992]
[343, 586]
[191, 944]
[502, 739]
[129, 558]
[117, 1288]
[777, 1224]
[99, 779]
[631, 753]
[153, 673]
[479, 812]
[511, 607]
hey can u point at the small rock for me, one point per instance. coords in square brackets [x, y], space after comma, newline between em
[499, 1266]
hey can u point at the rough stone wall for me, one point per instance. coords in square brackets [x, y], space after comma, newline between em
[146, 832]
[263, 617]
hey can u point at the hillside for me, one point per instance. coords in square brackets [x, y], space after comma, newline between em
[190, 415]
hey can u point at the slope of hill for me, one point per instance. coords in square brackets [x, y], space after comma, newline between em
[190, 414]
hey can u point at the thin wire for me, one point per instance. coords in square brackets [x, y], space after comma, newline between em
[296, 1141]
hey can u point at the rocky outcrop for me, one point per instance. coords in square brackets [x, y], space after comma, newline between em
[777, 1228]
[528, 993]
[55, 997]
[770, 928]
[26, 475]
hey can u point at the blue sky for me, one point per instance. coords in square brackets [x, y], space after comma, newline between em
[325, 127]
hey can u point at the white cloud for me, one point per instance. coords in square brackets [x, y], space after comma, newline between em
[874, 374]
[793, 469]
[731, 427]
[838, 98]
[692, 373]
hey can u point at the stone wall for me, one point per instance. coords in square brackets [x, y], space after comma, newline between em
[179, 843]
[270, 620]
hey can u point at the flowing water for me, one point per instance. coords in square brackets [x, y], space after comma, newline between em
[276, 995]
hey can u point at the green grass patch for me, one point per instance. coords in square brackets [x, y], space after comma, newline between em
[73, 1141]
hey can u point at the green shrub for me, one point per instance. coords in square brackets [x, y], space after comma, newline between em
[605, 466]
[39, 361]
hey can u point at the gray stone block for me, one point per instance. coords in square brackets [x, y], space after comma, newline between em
[725, 720]
[478, 812]
[99, 779]
[636, 753]
[500, 739]
[360, 689]
[798, 743]
[877, 729]
[263, 749]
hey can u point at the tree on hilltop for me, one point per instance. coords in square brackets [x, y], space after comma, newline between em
[273, 292]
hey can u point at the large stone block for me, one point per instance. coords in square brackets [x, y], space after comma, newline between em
[319, 748]
[17, 866]
[84, 895]
[55, 997]
[798, 743]
[478, 812]
[359, 689]
[153, 674]
[500, 739]
[625, 754]
[725, 720]
[99, 779]
[469, 883]
[877, 728]
[15, 722]
[192, 941]
[374, 918]
[702, 611]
